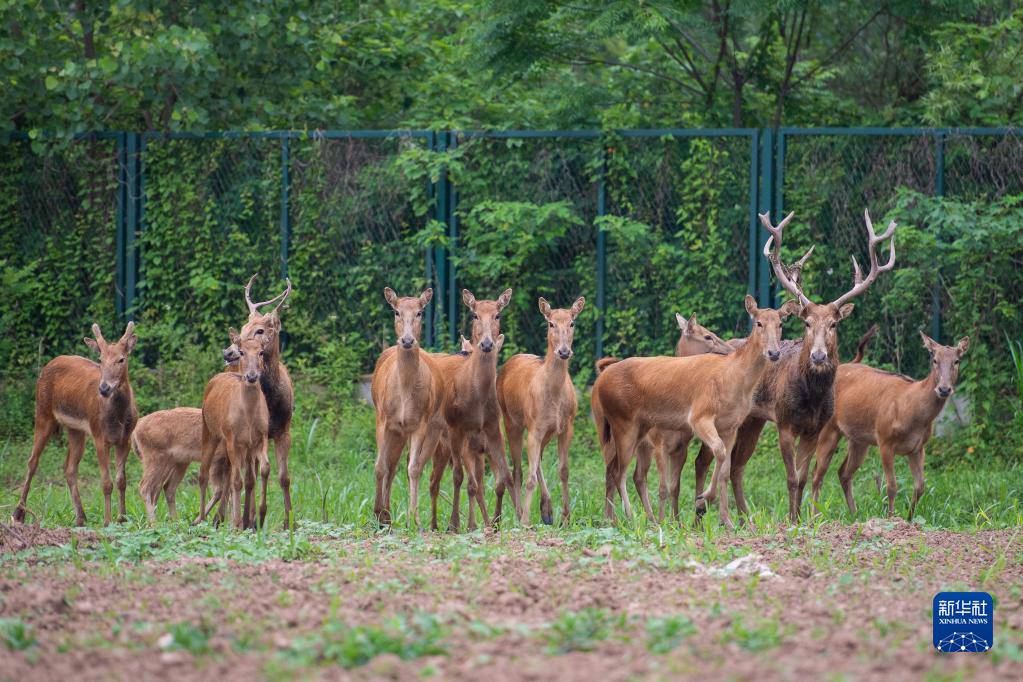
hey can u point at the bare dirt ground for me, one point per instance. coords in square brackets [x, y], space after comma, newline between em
[840, 601]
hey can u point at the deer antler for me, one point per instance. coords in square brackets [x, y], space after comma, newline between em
[859, 283]
[788, 276]
[254, 307]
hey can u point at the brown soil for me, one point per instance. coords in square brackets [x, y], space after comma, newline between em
[844, 601]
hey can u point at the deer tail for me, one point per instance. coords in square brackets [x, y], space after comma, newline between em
[862, 345]
[603, 363]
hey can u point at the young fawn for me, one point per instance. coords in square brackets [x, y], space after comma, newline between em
[797, 393]
[659, 446]
[405, 391]
[236, 422]
[166, 442]
[86, 399]
[278, 391]
[705, 395]
[874, 407]
[537, 394]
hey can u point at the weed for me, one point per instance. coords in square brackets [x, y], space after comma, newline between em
[582, 630]
[664, 634]
[351, 647]
[185, 636]
[761, 637]
[16, 635]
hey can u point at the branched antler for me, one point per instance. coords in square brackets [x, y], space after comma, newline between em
[788, 276]
[254, 307]
[859, 283]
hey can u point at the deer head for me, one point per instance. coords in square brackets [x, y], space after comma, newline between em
[561, 326]
[945, 363]
[486, 318]
[260, 324]
[251, 353]
[113, 357]
[767, 326]
[408, 315]
[820, 336]
[697, 339]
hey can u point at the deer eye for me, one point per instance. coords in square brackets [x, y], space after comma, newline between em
[259, 331]
[419, 314]
[122, 360]
[397, 314]
[706, 338]
[261, 353]
[760, 324]
[551, 325]
[571, 324]
[497, 317]
[834, 324]
[473, 316]
[955, 362]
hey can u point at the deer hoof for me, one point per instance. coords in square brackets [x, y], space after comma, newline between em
[547, 518]
[19, 514]
[701, 506]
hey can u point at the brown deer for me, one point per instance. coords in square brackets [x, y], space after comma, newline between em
[278, 390]
[166, 442]
[705, 395]
[406, 391]
[470, 414]
[235, 421]
[797, 393]
[86, 399]
[537, 394]
[892, 411]
[694, 339]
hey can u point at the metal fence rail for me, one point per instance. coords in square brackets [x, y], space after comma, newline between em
[337, 211]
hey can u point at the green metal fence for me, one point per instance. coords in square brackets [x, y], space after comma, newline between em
[348, 212]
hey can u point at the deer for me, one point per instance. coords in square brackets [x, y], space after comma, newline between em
[166, 442]
[278, 390]
[694, 339]
[405, 390]
[891, 411]
[469, 414]
[707, 396]
[236, 422]
[797, 393]
[86, 398]
[537, 394]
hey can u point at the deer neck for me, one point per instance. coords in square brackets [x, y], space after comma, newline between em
[408, 366]
[118, 403]
[748, 364]
[482, 372]
[554, 368]
[817, 380]
[927, 401]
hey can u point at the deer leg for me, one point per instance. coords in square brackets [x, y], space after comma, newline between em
[916, 465]
[721, 446]
[121, 454]
[150, 484]
[804, 453]
[234, 480]
[209, 446]
[745, 443]
[170, 489]
[610, 488]
[827, 443]
[625, 440]
[439, 461]
[642, 471]
[534, 450]
[264, 478]
[513, 431]
[888, 464]
[459, 453]
[787, 445]
[44, 428]
[564, 441]
[457, 475]
[499, 465]
[676, 453]
[424, 442]
[75, 450]
[853, 460]
[249, 520]
[704, 458]
[282, 448]
[103, 455]
[389, 446]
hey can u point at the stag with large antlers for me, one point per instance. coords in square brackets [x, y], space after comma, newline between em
[797, 393]
[86, 398]
[277, 388]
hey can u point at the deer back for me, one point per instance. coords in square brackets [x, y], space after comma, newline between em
[173, 435]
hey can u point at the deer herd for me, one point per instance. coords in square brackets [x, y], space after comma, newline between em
[448, 410]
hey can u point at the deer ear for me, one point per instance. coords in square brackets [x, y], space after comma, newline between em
[390, 296]
[269, 334]
[963, 344]
[469, 300]
[504, 299]
[683, 325]
[499, 343]
[128, 339]
[846, 310]
[232, 335]
[577, 307]
[98, 335]
[792, 307]
[466, 345]
[751, 304]
[426, 297]
[91, 343]
[928, 342]
[545, 307]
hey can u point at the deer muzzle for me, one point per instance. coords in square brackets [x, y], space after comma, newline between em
[231, 354]
[486, 345]
[818, 357]
[105, 389]
[773, 355]
[407, 342]
[252, 377]
[564, 353]
[943, 391]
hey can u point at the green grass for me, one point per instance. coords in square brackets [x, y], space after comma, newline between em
[332, 460]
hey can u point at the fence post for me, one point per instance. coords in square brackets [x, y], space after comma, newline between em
[601, 252]
[122, 226]
[939, 191]
[765, 201]
[451, 204]
[754, 175]
[285, 221]
[133, 219]
[779, 196]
